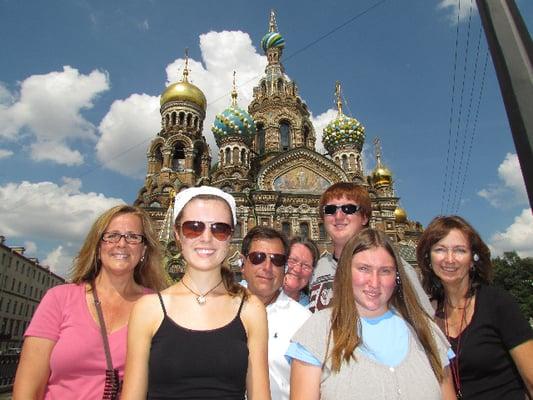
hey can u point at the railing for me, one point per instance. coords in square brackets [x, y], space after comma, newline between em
[8, 367]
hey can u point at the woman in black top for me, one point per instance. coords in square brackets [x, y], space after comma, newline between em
[204, 337]
[492, 340]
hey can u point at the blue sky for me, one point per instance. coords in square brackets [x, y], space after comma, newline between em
[80, 82]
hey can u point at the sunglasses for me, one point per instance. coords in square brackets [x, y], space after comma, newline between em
[193, 229]
[348, 209]
[258, 257]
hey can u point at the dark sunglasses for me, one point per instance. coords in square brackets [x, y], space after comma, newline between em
[258, 257]
[192, 229]
[348, 209]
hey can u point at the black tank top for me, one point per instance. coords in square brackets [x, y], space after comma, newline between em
[194, 364]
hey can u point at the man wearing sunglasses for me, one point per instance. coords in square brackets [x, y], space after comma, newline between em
[345, 208]
[264, 258]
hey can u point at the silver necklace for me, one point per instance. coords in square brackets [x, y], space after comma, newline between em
[200, 298]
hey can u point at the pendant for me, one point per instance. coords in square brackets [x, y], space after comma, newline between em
[201, 300]
[459, 395]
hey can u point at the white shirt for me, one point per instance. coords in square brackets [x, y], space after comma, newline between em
[285, 316]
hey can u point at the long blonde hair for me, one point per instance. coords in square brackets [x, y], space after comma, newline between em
[149, 273]
[344, 315]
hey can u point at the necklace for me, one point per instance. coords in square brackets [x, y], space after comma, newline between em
[201, 298]
[454, 363]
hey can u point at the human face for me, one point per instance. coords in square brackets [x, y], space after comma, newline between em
[451, 259]
[264, 280]
[122, 257]
[299, 268]
[205, 251]
[373, 281]
[342, 227]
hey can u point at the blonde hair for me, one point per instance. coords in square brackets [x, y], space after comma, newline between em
[344, 315]
[149, 272]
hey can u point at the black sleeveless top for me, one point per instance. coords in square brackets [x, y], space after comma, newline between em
[195, 364]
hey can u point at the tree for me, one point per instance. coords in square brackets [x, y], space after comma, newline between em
[515, 275]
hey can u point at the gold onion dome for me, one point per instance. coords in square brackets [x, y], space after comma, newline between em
[400, 215]
[184, 91]
[234, 121]
[381, 175]
[343, 130]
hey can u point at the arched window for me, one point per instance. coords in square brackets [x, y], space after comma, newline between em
[196, 122]
[158, 159]
[243, 156]
[173, 118]
[167, 120]
[181, 118]
[306, 136]
[344, 162]
[260, 138]
[304, 229]
[235, 155]
[197, 162]
[286, 228]
[280, 85]
[285, 134]
[178, 157]
[227, 158]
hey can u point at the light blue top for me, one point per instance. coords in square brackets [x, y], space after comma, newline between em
[385, 340]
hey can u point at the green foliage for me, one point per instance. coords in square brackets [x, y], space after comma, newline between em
[515, 275]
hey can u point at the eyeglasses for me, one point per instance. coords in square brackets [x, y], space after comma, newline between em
[114, 237]
[258, 257]
[293, 263]
[347, 209]
[193, 229]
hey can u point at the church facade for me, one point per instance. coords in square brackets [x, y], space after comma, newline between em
[266, 159]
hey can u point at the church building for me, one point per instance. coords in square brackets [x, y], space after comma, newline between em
[266, 159]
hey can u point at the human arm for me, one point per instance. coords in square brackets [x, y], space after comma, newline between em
[33, 368]
[141, 327]
[255, 321]
[523, 359]
[446, 386]
[305, 381]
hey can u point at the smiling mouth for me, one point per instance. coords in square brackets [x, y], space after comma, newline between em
[205, 252]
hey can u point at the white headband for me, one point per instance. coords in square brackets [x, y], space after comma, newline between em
[183, 197]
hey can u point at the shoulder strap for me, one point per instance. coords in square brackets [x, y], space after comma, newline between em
[162, 304]
[103, 330]
[240, 307]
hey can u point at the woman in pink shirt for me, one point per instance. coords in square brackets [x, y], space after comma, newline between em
[63, 356]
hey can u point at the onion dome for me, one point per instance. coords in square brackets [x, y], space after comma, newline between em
[381, 174]
[343, 130]
[184, 91]
[400, 215]
[234, 121]
[272, 39]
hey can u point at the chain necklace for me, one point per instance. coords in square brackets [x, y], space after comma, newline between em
[200, 298]
[454, 363]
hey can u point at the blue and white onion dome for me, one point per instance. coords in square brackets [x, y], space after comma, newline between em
[342, 131]
[272, 39]
[234, 121]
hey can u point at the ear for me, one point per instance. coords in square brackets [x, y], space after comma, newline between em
[364, 220]
[176, 234]
[240, 262]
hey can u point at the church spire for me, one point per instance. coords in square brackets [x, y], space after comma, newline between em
[377, 151]
[272, 26]
[338, 97]
[234, 93]
[186, 68]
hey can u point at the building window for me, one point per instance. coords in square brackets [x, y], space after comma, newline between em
[260, 138]
[286, 228]
[304, 229]
[322, 231]
[238, 230]
[284, 133]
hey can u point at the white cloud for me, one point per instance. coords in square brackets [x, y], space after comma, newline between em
[126, 130]
[136, 120]
[319, 123]
[30, 247]
[5, 153]
[59, 260]
[457, 7]
[48, 211]
[518, 236]
[511, 190]
[34, 112]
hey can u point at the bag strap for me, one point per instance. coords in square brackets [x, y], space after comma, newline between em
[103, 330]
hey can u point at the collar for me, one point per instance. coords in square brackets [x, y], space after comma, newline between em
[282, 301]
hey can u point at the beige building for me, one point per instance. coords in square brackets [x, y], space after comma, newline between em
[23, 282]
[267, 160]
